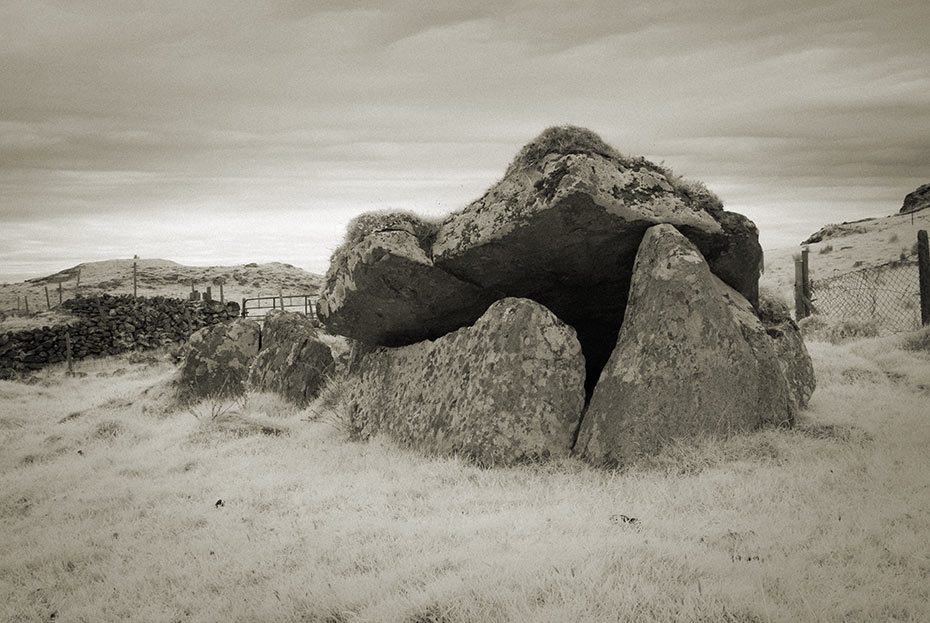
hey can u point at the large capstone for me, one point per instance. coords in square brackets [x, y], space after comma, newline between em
[386, 291]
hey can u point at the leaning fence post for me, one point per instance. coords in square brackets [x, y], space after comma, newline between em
[48, 303]
[923, 271]
[801, 287]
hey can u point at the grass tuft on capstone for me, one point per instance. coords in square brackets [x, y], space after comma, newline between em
[570, 139]
[424, 230]
[565, 139]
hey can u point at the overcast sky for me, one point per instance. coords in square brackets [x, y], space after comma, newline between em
[226, 132]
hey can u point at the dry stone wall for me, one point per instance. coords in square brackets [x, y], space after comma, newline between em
[108, 325]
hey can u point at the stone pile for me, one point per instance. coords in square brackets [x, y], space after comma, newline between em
[646, 275]
[108, 325]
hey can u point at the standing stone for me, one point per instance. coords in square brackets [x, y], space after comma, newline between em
[505, 390]
[293, 361]
[795, 363]
[216, 362]
[682, 367]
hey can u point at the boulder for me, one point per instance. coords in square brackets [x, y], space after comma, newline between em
[795, 363]
[774, 404]
[216, 361]
[293, 361]
[793, 358]
[917, 200]
[683, 366]
[507, 389]
[386, 291]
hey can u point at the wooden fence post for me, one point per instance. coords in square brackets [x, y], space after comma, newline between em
[244, 312]
[68, 352]
[806, 280]
[48, 303]
[801, 288]
[923, 269]
[133, 280]
[281, 295]
[222, 300]
[26, 299]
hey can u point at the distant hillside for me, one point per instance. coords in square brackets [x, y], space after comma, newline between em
[158, 277]
[839, 248]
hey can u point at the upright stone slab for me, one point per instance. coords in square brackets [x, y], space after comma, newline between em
[293, 362]
[216, 361]
[505, 390]
[794, 361]
[682, 366]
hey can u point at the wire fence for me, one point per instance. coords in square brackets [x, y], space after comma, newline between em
[888, 294]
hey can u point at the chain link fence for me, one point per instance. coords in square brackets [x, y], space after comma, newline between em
[888, 294]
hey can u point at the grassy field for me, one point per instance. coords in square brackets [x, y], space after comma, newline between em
[112, 509]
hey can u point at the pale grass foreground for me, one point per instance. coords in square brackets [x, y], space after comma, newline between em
[113, 510]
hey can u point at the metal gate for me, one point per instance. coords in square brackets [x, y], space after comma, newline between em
[257, 307]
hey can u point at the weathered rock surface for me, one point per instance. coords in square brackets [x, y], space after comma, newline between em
[507, 389]
[795, 363]
[565, 231]
[388, 292]
[690, 360]
[217, 359]
[773, 405]
[293, 362]
[561, 228]
[917, 200]
[793, 358]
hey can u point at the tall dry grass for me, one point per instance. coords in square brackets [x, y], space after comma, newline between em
[113, 510]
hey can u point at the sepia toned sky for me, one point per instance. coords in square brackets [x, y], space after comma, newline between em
[225, 132]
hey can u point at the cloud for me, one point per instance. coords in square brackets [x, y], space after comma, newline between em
[329, 108]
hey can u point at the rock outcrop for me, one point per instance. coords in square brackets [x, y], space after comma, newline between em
[293, 362]
[691, 359]
[581, 274]
[505, 390]
[561, 228]
[917, 200]
[216, 362]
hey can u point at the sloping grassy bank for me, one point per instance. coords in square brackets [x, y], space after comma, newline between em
[112, 509]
